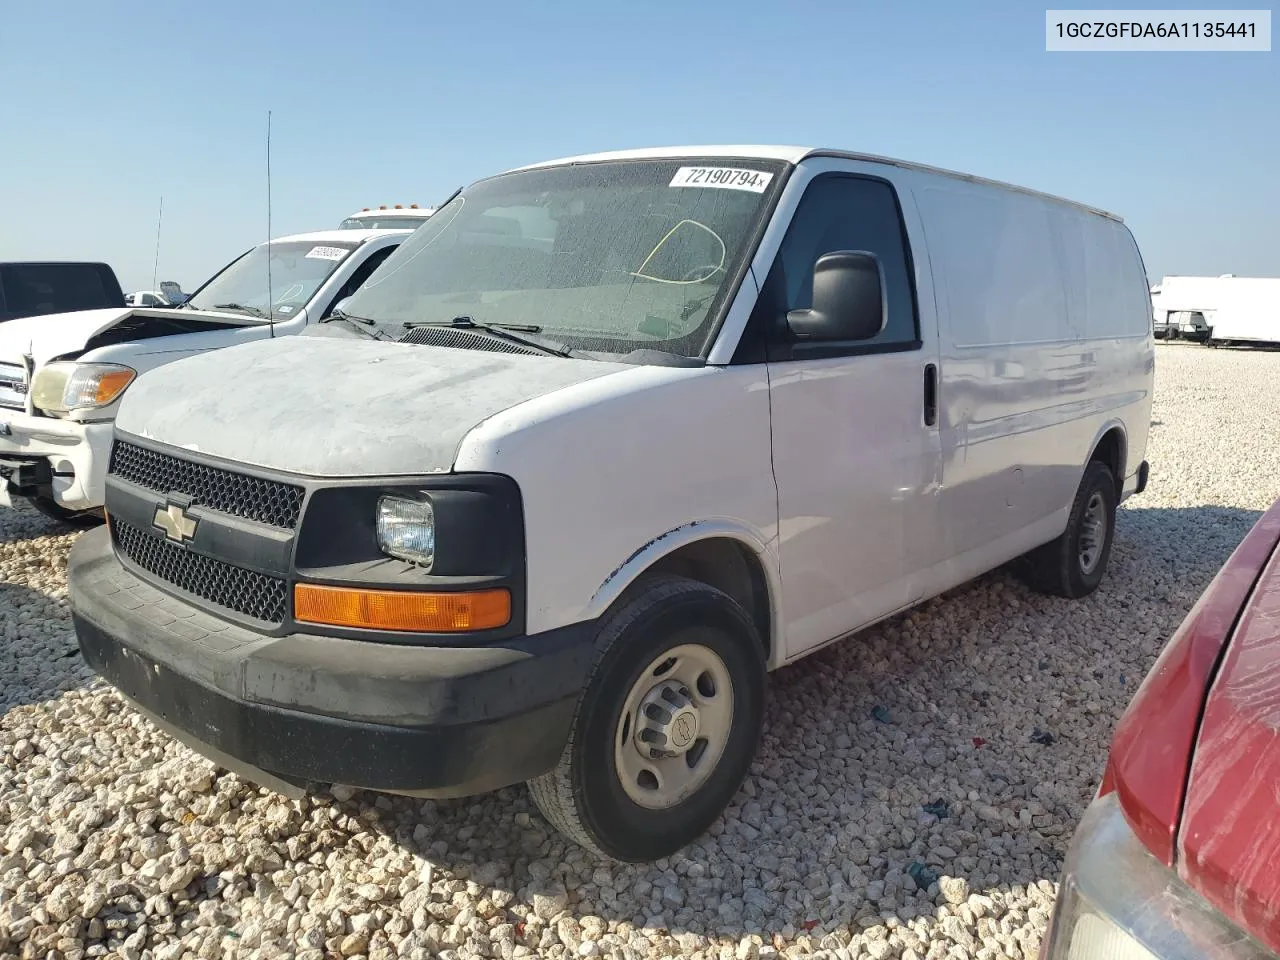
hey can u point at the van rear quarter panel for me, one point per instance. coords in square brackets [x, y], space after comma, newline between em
[1045, 344]
[614, 471]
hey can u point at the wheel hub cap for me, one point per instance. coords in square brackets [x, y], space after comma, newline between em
[668, 722]
[673, 726]
[1093, 533]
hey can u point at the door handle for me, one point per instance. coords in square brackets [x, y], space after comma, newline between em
[930, 394]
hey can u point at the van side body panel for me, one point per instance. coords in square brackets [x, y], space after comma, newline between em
[1045, 344]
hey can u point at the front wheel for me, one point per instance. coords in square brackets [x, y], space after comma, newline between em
[1072, 565]
[666, 727]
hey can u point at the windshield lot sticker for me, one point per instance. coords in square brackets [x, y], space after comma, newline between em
[327, 253]
[727, 178]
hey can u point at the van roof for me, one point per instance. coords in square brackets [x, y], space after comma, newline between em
[795, 155]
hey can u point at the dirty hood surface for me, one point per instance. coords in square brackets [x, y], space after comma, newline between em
[55, 334]
[334, 407]
[1230, 832]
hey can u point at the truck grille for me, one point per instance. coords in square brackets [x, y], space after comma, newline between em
[13, 386]
[252, 594]
[253, 498]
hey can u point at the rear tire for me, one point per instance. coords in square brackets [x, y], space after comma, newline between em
[678, 682]
[77, 519]
[1073, 565]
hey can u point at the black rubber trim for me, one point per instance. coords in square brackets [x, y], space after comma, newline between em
[1144, 472]
[306, 748]
[449, 721]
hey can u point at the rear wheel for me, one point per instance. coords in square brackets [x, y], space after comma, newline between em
[667, 725]
[79, 519]
[1073, 565]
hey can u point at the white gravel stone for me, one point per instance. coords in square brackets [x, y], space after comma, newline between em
[115, 840]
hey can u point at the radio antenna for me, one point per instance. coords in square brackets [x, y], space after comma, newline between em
[155, 270]
[270, 302]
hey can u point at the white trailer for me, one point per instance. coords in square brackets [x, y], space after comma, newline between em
[1250, 313]
[1215, 310]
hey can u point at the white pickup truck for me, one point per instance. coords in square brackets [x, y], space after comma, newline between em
[62, 375]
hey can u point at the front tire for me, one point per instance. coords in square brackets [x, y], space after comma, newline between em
[1073, 565]
[666, 727]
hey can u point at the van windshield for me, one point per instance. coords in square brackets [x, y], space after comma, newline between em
[298, 268]
[604, 257]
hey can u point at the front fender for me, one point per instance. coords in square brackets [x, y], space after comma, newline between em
[668, 543]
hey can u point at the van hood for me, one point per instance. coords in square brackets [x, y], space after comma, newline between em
[336, 407]
[53, 335]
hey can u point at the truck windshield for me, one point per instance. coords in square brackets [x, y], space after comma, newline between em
[35, 289]
[604, 257]
[383, 223]
[298, 268]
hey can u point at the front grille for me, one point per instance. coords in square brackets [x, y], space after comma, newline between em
[454, 337]
[266, 501]
[235, 588]
[13, 386]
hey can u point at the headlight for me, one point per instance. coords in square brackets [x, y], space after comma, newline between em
[61, 388]
[407, 529]
[1092, 935]
[1118, 902]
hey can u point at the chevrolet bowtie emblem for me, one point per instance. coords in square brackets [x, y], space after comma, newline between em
[175, 523]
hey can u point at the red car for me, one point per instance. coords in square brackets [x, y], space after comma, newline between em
[1179, 854]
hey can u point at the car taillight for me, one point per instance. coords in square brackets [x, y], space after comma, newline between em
[1151, 750]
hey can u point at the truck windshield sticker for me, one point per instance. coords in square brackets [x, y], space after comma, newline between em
[728, 178]
[327, 253]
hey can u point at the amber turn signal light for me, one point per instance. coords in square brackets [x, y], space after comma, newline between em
[111, 385]
[403, 610]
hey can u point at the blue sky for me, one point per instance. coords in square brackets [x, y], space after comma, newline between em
[107, 106]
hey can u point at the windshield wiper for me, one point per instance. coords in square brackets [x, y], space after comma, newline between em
[359, 324]
[471, 323]
[505, 331]
[252, 311]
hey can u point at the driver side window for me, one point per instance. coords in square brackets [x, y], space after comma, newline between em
[840, 212]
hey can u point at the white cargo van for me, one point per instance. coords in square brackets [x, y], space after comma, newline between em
[62, 375]
[604, 442]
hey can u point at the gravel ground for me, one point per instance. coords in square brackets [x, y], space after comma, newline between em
[914, 795]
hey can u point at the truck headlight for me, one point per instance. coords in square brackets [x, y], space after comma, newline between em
[62, 388]
[407, 529]
[1118, 902]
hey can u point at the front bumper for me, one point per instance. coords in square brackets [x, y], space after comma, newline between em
[76, 453]
[1120, 902]
[289, 712]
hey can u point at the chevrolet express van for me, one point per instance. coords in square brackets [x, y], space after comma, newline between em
[62, 376]
[600, 445]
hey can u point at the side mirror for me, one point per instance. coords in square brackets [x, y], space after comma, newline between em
[848, 299]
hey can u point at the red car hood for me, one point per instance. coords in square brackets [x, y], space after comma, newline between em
[1229, 839]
